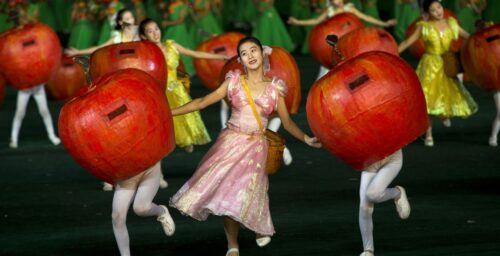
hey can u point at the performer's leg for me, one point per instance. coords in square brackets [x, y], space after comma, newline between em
[231, 228]
[143, 203]
[366, 211]
[496, 122]
[274, 125]
[121, 203]
[23, 98]
[41, 100]
[429, 141]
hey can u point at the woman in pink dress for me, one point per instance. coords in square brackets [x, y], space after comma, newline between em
[231, 180]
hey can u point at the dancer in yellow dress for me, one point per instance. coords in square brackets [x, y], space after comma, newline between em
[445, 96]
[189, 129]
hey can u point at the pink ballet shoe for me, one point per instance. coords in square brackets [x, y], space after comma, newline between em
[429, 142]
[13, 144]
[367, 253]
[447, 122]
[263, 241]
[233, 252]
[493, 141]
[166, 222]
[402, 204]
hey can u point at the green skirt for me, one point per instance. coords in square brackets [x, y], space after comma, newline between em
[82, 35]
[405, 15]
[270, 30]
[468, 17]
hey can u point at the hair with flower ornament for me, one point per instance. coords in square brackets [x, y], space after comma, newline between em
[266, 51]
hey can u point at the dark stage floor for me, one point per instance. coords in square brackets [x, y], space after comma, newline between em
[49, 205]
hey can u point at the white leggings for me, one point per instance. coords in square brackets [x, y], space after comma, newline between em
[322, 71]
[373, 189]
[496, 122]
[144, 186]
[23, 98]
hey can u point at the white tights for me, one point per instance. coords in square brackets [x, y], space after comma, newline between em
[496, 123]
[274, 125]
[23, 98]
[322, 71]
[144, 186]
[373, 189]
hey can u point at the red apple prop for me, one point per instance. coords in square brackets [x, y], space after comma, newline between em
[481, 57]
[283, 66]
[66, 81]
[367, 108]
[120, 127]
[209, 70]
[364, 40]
[29, 55]
[143, 55]
[338, 25]
[417, 49]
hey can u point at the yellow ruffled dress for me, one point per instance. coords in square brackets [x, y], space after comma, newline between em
[189, 128]
[445, 96]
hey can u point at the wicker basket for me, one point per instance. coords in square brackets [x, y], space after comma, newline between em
[275, 151]
[451, 63]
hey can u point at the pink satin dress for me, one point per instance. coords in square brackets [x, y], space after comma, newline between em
[231, 179]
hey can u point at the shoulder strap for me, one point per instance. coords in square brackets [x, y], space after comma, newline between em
[250, 100]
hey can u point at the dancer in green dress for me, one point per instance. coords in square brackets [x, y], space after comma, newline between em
[370, 9]
[109, 23]
[40, 11]
[83, 30]
[301, 10]
[177, 30]
[269, 27]
[406, 12]
[63, 18]
[205, 24]
[470, 11]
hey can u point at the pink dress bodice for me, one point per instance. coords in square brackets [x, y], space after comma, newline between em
[242, 117]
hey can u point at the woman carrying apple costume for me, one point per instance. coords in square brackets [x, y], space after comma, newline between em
[23, 97]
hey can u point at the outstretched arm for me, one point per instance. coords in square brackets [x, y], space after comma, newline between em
[372, 20]
[73, 51]
[309, 22]
[410, 40]
[292, 128]
[198, 54]
[203, 102]
[463, 33]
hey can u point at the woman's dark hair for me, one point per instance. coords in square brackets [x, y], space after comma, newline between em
[142, 26]
[119, 17]
[248, 39]
[427, 4]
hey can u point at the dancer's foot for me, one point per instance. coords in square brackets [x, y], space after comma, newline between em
[367, 253]
[262, 240]
[402, 204]
[163, 183]
[493, 141]
[13, 144]
[429, 142]
[233, 252]
[55, 140]
[107, 186]
[287, 157]
[446, 122]
[166, 222]
[189, 148]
